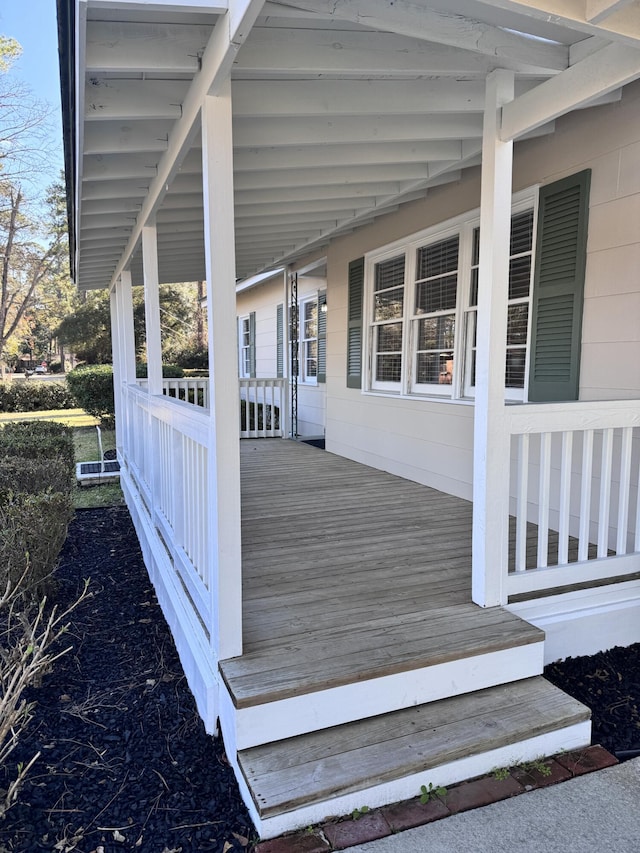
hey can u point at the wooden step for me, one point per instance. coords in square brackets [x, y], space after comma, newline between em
[375, 761]
[374, 648]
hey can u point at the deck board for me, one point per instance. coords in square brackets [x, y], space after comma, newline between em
[369, 752]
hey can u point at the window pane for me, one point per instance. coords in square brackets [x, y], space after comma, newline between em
[434, 368]
[388, 368]
[436, 295]
[390, 338]
[389, 305]
[519, 277]
[390, 273]
[438, 259]
[436, 333]
[521, 232]
[310, 319]
[517, 321]
[473, 296]
[514, 377]
[475, 250]
[311, 359]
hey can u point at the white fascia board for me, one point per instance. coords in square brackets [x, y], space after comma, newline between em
[598, 74]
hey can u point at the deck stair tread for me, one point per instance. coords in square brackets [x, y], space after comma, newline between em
[324, 659]
[312, 768]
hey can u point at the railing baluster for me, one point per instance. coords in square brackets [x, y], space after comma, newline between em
[585, 495]
[605, 492]
[624, 489]
[522, 503]
[565, 498]
[543, 499]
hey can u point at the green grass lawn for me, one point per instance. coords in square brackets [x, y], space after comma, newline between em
[86, 450]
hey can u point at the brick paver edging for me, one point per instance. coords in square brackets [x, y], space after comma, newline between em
[387, 820]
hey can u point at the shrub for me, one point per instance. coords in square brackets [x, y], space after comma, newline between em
[35, 475]
[32, 532]
[169, 371]
[92, 386]
[35, 396]
[38, 440]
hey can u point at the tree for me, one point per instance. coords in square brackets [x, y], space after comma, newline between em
[87, 329]
[30, 248]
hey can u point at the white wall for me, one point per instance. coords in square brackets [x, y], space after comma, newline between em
[432, 441]
[263, 299]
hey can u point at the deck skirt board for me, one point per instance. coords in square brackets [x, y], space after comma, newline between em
[371, 649]
[355, 756]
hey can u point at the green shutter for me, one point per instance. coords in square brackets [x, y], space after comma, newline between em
[252, 345]
[558, 291]
[322, 336]
[280, 341]
[354, 325]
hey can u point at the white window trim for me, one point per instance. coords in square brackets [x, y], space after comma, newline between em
[406, 388]
[303, 379]
[244, 370]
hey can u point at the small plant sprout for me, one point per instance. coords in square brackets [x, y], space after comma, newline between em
[500, 773]
[356, 814]
[541, 765]
[431, 793]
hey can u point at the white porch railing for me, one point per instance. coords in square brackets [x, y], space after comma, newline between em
[166, 458]
[263, 408]
[575, 474]
[195, 391]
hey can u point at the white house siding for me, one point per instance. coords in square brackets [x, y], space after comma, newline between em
[263, 300]
[431, 441]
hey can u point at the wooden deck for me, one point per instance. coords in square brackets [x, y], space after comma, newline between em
[367, 670]
[350, 573]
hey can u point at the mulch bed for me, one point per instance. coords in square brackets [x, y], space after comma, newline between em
[125, 762]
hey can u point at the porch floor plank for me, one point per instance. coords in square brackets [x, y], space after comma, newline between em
[351, 573]
[314, 767]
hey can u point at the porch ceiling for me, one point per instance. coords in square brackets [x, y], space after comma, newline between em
[342, 111]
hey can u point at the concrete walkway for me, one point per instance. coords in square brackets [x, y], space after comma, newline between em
[595, 812]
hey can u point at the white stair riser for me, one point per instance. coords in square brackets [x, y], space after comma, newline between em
[369, 698]
[571, 737]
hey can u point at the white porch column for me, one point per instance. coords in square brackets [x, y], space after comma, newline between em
[152, 308]
[490, 439]
[117, 353]
[225, 553]
[127, 371]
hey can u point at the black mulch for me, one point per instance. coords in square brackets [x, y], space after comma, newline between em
[126, 764]
[609, 683]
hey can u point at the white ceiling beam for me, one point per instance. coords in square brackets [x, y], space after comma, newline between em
[333, 206]
[95, 190]
[322, 130]
[126, 100]
[336, 175]
[128, 47]
[406, 17]
[319, 220]
[108, 167]
[622, 25]
[601, 72]
[301, 193]
[111, 205]
[259, 98]
[228, 35]
[326, 156]
[126, 137]
[279, 52]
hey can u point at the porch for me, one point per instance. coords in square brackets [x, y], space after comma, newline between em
[366, 668]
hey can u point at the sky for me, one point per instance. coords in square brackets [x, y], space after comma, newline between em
[33, 24]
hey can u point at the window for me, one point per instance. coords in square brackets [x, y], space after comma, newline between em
[305, 365]
[412, 307]
[246, 345]
[422, 306]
